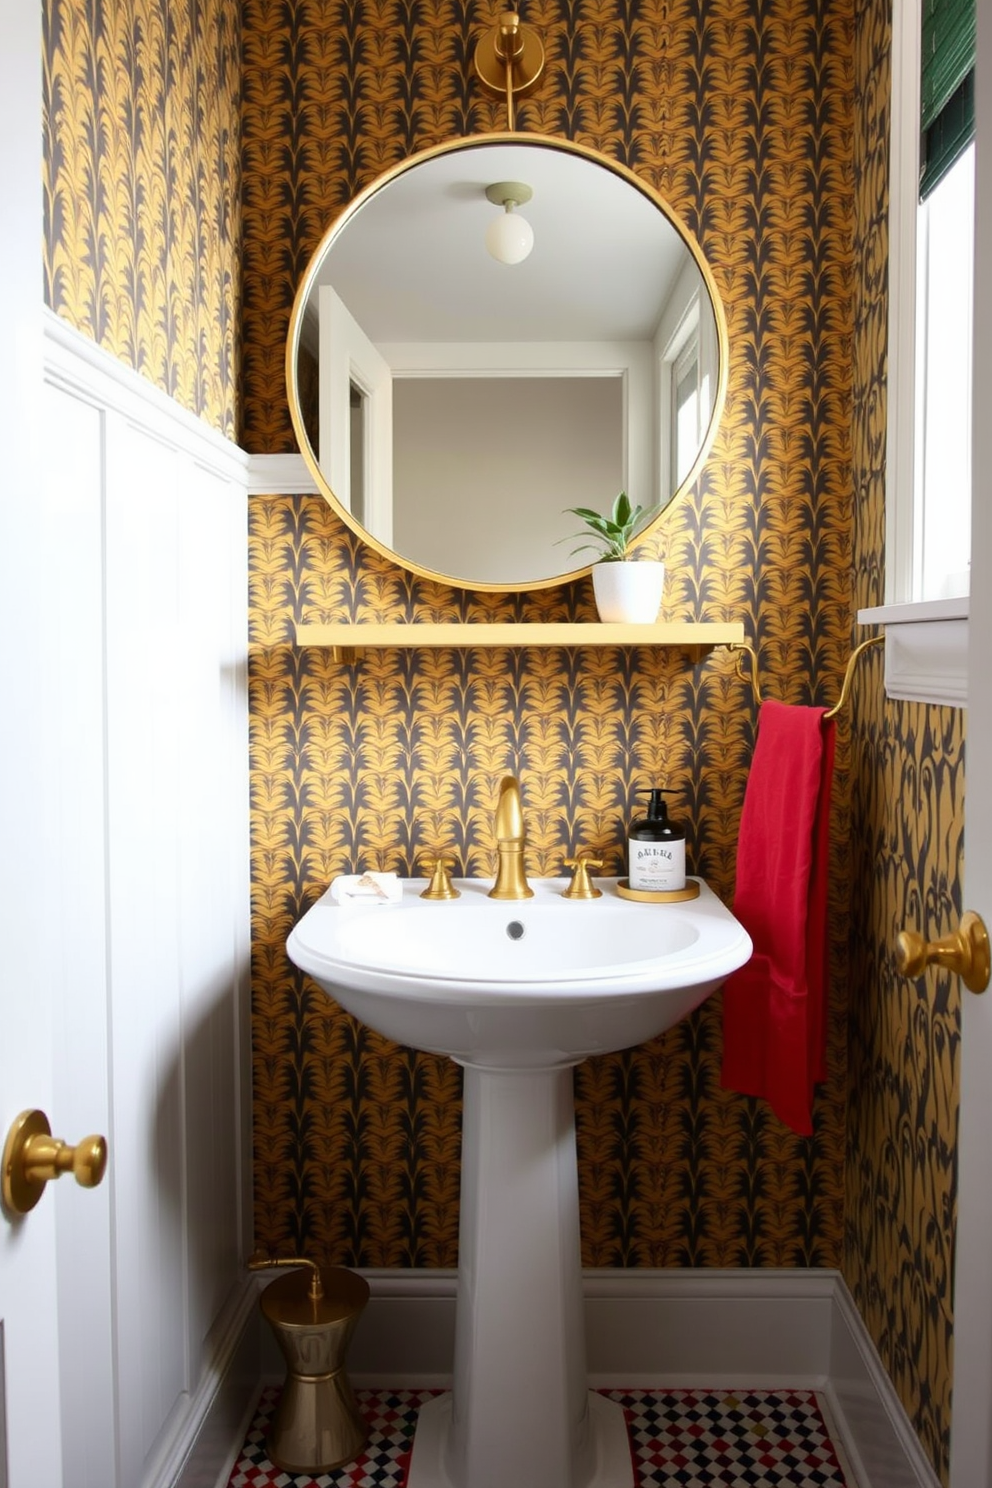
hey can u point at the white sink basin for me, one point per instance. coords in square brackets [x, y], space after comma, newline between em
[536, 982]
[517, 992]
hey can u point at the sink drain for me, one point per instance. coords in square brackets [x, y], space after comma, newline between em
[515, 930]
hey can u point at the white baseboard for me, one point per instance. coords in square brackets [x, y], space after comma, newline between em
[700, 1329]
[207, 1433]
[884, 1449]
[644, 1329]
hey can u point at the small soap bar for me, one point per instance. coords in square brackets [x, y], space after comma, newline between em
[366, 888]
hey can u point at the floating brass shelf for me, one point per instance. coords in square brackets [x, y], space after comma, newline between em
[349, 639]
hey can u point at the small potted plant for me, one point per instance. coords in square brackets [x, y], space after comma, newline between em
[627, 589]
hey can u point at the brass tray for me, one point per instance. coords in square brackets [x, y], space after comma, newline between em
[659, 896]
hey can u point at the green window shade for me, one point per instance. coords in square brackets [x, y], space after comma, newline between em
[947, 87]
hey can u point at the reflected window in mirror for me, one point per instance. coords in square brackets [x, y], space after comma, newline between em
[688, 402]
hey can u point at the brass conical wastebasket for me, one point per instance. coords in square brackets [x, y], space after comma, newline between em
[316, 1425]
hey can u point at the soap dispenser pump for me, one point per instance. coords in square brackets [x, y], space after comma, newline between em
[656, 848]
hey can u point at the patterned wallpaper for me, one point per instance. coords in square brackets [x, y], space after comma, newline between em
[742, 114]
[143, 189]
[906, 846]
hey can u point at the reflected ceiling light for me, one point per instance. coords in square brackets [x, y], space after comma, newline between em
[509, 238]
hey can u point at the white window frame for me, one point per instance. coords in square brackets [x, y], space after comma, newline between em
[925, 641]
[903, 516]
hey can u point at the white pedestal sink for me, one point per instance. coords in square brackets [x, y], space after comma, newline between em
[519, 992]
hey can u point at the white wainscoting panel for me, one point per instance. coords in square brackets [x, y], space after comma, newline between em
[67, 631]
[142, 628]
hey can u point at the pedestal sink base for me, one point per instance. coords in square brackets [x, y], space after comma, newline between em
[520, 1414]
[608, 1454]
[518, 993]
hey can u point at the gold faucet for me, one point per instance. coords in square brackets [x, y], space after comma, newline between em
[511, 880]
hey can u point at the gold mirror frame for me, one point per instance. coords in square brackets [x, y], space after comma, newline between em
[468, 143]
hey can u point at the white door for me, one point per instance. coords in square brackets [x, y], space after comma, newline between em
[30, 1442]
[971, 1423]
[356, 449]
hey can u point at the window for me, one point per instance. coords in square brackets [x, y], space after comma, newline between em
[945, 280]
[930, 299]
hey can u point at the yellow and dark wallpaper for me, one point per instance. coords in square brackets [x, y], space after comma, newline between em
[142, 189]
[742, 115]
[906, 851]
[195, 153]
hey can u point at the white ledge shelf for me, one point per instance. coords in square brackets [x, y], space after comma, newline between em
[349, 638]
[926, 650]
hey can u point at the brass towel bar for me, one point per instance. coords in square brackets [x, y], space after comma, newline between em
[848, 675]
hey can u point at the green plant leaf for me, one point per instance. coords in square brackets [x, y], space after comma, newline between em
[614, 533]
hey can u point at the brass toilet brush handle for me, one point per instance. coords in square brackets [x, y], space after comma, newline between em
[264, 1263]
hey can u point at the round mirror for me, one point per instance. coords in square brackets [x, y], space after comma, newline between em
[493, 332]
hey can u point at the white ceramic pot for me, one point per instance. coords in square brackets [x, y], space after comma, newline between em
[628, 592]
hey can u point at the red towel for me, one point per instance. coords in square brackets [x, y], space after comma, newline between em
[775, 1007]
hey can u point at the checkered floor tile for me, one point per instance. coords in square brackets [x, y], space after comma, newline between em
[742, 1439]
[678, 1439]
[391, 1417]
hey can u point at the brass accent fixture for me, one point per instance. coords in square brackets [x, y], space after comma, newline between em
[509, 60]
[581, 886]
[263, 1263]
[511, 880]
[440, 886]
[965, 952]
[317, 1425]
[855, 656]
[32, 1157]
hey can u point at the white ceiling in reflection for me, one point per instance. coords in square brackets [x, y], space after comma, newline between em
[411, 262]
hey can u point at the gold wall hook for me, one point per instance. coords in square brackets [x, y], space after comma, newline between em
[509, 60]
[581, 886]
[965, 952]
[440, 886]
[32, 1157]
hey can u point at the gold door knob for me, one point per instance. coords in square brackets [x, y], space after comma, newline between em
[32, 1156]
[965, 952]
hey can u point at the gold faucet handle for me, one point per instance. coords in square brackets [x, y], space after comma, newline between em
[581, 886]
[440, 886]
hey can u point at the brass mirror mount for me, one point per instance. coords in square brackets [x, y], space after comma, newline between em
[32, 1157]
[509, 60]
[582, 886]
[965, 952]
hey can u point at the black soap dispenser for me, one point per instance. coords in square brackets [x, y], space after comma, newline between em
[656, 848]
